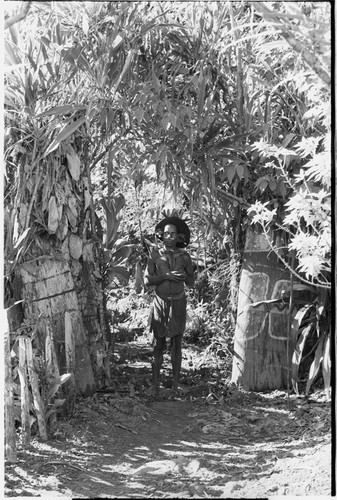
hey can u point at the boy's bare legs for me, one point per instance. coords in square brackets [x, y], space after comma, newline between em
[176, 359]
[158, 356]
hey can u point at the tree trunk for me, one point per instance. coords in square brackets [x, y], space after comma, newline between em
[49, 291]
[39, 406]
[23, 375]
[10, 434]
[58, 277]
[261, 361]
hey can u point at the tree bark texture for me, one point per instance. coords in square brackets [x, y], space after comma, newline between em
[58, 275]
[25, 402]
[39, 406]
[49, 290]
[10, 434]
[261, 360]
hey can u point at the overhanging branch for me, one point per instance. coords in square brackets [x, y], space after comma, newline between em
[9, 21]
[232, 197]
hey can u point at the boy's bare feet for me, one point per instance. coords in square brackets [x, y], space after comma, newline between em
[152, 391]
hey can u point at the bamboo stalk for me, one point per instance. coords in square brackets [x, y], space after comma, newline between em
[239, 74]
[34, 383]
[69, 343]
[51, 360]
[25, 418]
[10, 435]
[70, 353]
[9, 21]
[291, 299]
[275, 17]
[51, 357]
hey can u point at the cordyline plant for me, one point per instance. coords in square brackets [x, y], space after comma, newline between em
[298, 158]
[307, 222]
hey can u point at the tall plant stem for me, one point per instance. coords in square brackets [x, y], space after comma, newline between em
[238, 64]
[292, 263]
[37, 183]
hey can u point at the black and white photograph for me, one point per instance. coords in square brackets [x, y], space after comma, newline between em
[169, 284]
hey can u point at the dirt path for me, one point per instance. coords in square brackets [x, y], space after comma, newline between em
[124, 445]
[124, 448]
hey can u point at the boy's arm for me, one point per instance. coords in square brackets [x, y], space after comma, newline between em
[189, 280]
[150, 279]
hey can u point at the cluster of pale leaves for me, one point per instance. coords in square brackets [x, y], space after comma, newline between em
[307, 217]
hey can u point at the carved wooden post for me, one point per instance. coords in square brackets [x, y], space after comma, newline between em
[10, 434]
[260, 342]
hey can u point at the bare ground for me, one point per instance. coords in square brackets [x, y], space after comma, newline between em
[238, 444]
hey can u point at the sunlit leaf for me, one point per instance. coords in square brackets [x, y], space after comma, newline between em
[21, 238]
[297, 355]
[121, 273]
[315, 365]
[120, 256]
[65, 132]
[56, 385]
[240, 170]
[62, 110]
[326, 363]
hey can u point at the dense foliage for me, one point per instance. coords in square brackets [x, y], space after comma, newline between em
[215, 96]
[221, 108]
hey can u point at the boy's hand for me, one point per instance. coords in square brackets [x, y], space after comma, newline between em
[176, 276]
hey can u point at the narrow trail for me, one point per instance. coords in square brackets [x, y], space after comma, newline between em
[125, 445]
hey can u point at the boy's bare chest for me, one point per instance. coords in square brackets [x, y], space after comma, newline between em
[169, 261]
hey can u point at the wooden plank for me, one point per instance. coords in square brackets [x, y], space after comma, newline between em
[77, 356]
[10, 434]
[43, 269]
[56, 285]
[69, 342]
[50, 352]
[23, 375]
[34, 383]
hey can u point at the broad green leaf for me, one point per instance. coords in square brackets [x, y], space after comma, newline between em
[49, 413]
[120, 256]
[125, 68]
[297, 322]
[121, 273]
[139, 280]
[56, 385]
[112, 208]
[11, 57]
[21, 238]
[139, 112]
[119, 202]
[53, 215]
[173, 120]
[62, 110]
[315, 364]
[262, 183]
[277, 44]
[297, 355]
[58, 402]
[74, 163]
[163, 156]
[165, 122]
[240, 170]
[326, 364]
[230, 171]
[272, 184]
[201, 93]
[65, 132]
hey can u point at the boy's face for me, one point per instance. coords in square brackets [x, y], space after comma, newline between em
[170, 236]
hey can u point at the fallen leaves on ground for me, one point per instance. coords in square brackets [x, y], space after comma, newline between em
[204, 443]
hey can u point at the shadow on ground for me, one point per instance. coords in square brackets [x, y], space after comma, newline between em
[119, 443]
